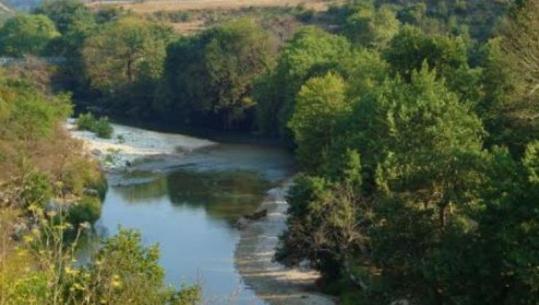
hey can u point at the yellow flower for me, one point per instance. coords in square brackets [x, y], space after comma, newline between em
[70, 271]
[116, 282]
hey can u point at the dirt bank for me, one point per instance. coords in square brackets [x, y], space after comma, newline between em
[271, 281]
[131, 144]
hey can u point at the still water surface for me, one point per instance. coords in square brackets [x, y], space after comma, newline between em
[189, 205]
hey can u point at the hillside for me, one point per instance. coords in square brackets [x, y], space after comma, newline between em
[192, 5]
[191, 16]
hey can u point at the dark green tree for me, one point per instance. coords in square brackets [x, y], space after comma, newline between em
[124, 62]
[210, 76]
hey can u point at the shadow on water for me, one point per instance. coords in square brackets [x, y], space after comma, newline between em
[223, 194]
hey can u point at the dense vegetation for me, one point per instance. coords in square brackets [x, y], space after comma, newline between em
[420, 186]
[415, 124]
[50, 195]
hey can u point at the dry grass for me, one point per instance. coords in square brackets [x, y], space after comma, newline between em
[207, 13]
[189, 27]
[151, 6]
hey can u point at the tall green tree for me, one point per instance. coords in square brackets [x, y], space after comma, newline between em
[213, 73]
[321, 104]
[236, 54]
[26, 34]
[125, 51]
[310, 53]
[124, 61]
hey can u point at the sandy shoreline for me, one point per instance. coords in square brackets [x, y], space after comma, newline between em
[273, 282]
[130, 144]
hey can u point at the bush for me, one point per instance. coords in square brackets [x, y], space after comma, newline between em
[88, 209]
[101, 127]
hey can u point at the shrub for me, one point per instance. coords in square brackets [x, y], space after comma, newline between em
[101, 127]
[87, 209]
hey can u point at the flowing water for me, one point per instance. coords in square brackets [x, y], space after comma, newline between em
[189, 205]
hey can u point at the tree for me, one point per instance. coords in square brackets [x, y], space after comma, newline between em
[504, 242]
[370, 26]
[323, 224]
[310, 53]
[212, 74]
[410, 48]
[321, 104]
[512, 80]
[522, 49]
[26, 34]
[124, 61]
[184, 68]
[420, 174]
[67, 15]
[235, 55]
[125, 51]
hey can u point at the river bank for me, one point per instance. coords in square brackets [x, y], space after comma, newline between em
[127, 145]
[273, 282]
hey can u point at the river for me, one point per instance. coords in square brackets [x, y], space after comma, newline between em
[189, 205]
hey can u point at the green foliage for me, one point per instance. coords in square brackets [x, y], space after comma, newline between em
[125, 270]
[477, 18]
[310, 53]
[370, 26]
[419, 120]
[411, 47]
[413, 216]
[515, 88]
[28, 113]
[320, 105]
[36, 189]
[67, 15]
[216, 70]
[531, 161]
[405, 193]
[125, 51]
[86, 209]
[76, 22]
[43, 269]
[26, 34]
[124, 63]
[101, 127]
[80, 176]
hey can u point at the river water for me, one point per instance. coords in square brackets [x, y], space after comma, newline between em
[188, 205]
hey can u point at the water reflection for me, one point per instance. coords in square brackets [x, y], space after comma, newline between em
[223, 194]
[188, 209]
